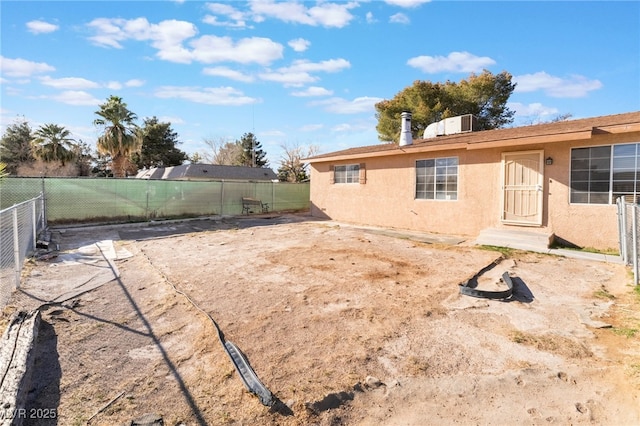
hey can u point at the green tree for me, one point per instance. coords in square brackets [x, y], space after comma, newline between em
[121, 137]
[158, 146]
[52, 144]
[484, 95]
[252, 154]
[15, 146]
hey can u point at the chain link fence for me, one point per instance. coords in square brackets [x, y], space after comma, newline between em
[628, 226]
[20, 226]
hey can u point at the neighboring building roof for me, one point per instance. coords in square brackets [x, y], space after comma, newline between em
[539, 133]
[208, 172]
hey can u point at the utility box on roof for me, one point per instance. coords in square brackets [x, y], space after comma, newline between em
[451, 126]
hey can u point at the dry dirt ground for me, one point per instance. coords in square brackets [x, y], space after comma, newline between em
[345, 325]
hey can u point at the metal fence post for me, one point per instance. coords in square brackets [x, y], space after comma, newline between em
[634, 228]
[623, 231]
[620, 231]
[34, 224]
[43, 211]
[146, 207]
[221, 197]
[16, 247]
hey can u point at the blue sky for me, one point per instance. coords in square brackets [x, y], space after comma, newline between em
[305, 72]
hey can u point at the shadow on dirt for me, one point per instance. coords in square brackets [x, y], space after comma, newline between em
[165, 356]
[44, 396]
[329, 402]
[280, 407]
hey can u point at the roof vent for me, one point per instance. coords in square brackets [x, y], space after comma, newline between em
[451, 126]
[405, 132]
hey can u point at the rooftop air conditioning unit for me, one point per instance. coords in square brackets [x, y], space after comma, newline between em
[451, 126]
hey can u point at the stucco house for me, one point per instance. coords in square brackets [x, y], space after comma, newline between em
[561, 179]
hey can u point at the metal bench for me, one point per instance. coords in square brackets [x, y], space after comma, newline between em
[248, 204]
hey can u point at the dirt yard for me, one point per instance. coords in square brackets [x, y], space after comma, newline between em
[344, 325]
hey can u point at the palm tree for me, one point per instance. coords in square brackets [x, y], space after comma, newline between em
[121, 137]
[52, 143]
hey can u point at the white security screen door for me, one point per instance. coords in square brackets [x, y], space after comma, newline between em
[522, 187]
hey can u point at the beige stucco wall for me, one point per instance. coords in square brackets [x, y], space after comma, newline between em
[388, 196]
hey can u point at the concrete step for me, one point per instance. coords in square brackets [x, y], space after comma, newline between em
[515, 238]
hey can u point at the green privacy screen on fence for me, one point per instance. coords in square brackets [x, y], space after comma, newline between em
[109, 199]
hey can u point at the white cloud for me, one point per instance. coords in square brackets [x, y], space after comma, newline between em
[344, 106]
[134, 82]
[289, 78]
[228, 73]
[323, 14]
[172, 120]
[169, 36]
[311, 127]
[78, 83]
[273, 133]
[22, 67]
[370, 19]
[41, 27]
[299, 44]
[573, 86]
[209, 49]
[109, 32]
[299, 72]
[406, 3]
[227, 96]
[213, 20]
[71, 83]
[342, 127]
[399, 18]
[330, 65]
[225, 9]
[455, 62]
[116, 85]
[76, 97]
[313, 91]
[237, 18]
[533, 109]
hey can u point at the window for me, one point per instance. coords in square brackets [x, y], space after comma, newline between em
[599, 175]
[625, 176]
[437, 179]
[590, 174]
[346, 174]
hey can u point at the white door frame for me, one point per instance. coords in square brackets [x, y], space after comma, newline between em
[538, 187]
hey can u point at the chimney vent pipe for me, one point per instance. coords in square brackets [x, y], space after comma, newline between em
[405, 132]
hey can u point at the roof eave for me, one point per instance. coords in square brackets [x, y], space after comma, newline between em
[532, 140]
[417, 148]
